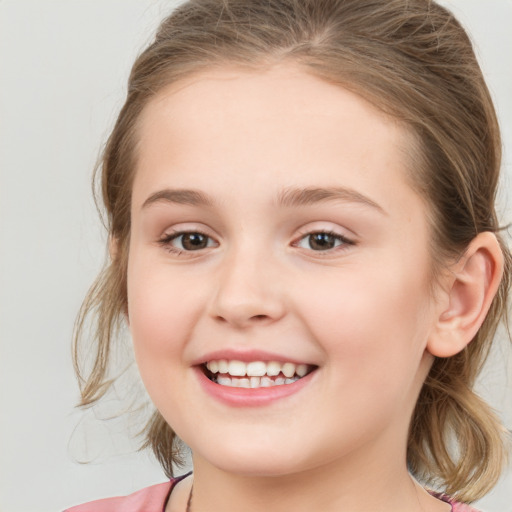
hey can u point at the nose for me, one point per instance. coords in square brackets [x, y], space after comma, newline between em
[248, 292]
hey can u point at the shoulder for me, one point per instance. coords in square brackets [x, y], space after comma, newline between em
[456, 505]
[149, 499]
[462, 507]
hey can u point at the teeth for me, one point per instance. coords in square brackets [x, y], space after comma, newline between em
[223, 366]
[223, 381]
[257, 368]
[214, 366]
[266, 382]
[254, 382]
[288, 370]
[301, 370]
[255, 374]
[236, 368]
[273, 369]
[244, 383]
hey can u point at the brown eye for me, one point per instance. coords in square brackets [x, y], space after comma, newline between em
[323, 241]
[191, 241]
[187, 241]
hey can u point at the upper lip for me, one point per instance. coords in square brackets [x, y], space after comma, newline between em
[246, 356]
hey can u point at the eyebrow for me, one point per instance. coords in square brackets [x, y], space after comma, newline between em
[289, 197]
[310, 196]
[179, 196]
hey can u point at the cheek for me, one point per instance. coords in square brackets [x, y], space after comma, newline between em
[371, 323]
[162, 315]
[160, 311]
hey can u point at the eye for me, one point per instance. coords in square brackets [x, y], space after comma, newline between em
[187, 241]
[322, 241]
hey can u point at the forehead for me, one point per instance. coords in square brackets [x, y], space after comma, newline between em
[283, 91]
[281, 126]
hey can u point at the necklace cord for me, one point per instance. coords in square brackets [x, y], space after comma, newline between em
[189, 501]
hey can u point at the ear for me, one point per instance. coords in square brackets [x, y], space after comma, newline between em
[467, 296]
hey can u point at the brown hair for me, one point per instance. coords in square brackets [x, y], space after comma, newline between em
[409, 58]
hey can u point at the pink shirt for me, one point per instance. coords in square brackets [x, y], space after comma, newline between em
[149, 499]
[154, 499]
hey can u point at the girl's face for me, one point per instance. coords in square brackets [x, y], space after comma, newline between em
[272, 222]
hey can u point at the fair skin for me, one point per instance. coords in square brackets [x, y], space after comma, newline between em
[272, 221]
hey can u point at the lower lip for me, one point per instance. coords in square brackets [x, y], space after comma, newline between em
[250, 397]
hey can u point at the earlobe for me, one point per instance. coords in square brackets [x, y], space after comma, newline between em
[471, 287]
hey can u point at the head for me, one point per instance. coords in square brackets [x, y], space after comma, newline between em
[414, 64]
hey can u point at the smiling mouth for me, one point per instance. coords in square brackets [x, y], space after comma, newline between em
[254, 374]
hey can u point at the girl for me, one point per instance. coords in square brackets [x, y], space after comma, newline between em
[303, 241]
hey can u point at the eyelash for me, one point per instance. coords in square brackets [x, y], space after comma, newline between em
[167, 239]
[345, 242]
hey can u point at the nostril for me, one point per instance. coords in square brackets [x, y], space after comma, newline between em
[254, 319]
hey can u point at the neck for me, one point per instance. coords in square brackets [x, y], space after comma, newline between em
[367, 486]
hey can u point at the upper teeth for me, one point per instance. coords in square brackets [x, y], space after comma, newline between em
[256, 368]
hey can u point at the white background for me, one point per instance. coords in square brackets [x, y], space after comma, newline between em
[63, 69]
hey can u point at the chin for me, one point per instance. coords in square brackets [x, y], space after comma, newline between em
[258, 467]
[254, 459]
